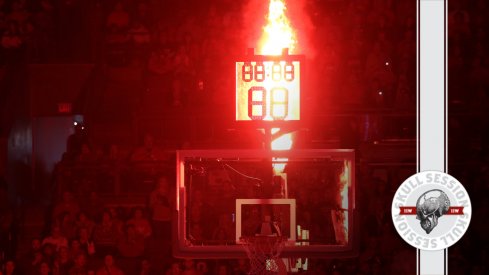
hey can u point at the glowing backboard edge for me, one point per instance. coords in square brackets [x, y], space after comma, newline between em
[273, 123]
[182, 249]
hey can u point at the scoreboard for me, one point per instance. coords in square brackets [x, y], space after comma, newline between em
[268, 88]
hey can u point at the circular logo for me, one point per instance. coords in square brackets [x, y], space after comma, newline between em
[431, 210]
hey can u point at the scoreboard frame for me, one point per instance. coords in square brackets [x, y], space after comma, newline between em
[284, 57]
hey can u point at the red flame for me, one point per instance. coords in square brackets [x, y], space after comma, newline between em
[278, 33]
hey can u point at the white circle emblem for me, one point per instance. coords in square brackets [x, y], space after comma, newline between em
[431, 210]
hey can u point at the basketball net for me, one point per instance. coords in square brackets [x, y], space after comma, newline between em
[264, 252]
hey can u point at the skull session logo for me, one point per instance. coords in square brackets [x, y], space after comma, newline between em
[428, 210]
[431, 210]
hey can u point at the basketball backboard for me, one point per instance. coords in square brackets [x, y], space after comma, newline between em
[306, 196]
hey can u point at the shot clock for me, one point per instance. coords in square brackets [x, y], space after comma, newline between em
[268, 88]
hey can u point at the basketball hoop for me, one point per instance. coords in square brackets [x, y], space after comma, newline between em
[264, 252]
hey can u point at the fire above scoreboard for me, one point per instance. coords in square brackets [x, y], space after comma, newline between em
[268, 88]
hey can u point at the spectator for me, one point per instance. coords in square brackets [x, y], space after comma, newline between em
[140, 223]
[140, 38]
[67, 226]
[115, 157]
[189, 267]
[222, 269]
[148, 151]
[86, 242]
[85, 179]
[160, 205]
[160, 66]
[63, 262]
[175, 269]
[18, 13]
[106, 235]
[80, 266]
[86, 156]
[2, 14]
[117, 218]
[131, 245]
[184, 72]
[182, 62]
[202, 268]
[49, 253]
[117, 37]
[99, 154]
[29, 255]
[56, 239]
[31, 265]
[118, 18]
[83, 221]
[177, 91]
[109, 267]
[12, 37]
[92, 206]
[75, 249]
[44, 28]
[10, 268]
[146, 268]
[163, 37]
[143, 14]
[140, 35]
[241, 268]
[66, 205]
[76, 141]
[45, 269]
